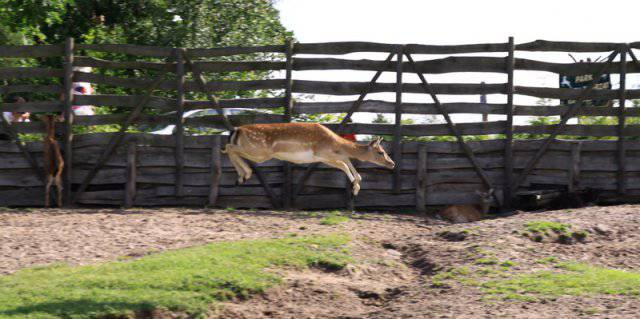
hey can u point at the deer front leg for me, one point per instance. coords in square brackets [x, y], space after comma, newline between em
[345, 168]
[353, 171]
[47, 191]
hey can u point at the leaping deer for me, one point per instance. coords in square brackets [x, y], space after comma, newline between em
[53, 162]
[301, 143]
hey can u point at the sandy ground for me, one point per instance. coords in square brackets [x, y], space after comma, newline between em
[397, 257]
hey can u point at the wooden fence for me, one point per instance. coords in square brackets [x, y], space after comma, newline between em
[125, 168]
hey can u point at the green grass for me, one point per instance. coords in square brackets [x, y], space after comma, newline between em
[575, 279]
[334, 219]
[547, 260]
[188, 280]
[543, 227]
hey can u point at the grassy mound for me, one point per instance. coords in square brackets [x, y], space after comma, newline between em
[575, 279]
[188, 280]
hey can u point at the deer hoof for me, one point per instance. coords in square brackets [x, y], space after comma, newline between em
[356, 189]
[239, 181]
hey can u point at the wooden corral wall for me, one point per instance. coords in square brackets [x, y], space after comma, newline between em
[143, 169]
[447, 175]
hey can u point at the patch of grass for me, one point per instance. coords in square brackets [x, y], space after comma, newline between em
[575, 279]
[508, 263]
[547, 260]
[230, 209]
[334, 219]
[188, 280]
[487, 261]
[543, 227]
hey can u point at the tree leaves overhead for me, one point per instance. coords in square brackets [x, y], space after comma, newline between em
[175, 23]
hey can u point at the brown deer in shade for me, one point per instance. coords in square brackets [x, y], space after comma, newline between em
[468, 213]
[301, 143]
[53, 163]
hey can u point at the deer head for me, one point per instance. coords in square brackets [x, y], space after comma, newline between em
[376, 154]
[485, 200]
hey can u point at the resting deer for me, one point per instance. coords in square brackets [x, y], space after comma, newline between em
[468, 213]
[53, 162]
[301, 143]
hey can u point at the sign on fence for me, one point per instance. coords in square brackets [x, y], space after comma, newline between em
[582, 82]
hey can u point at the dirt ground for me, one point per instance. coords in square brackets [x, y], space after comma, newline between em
[398, 257]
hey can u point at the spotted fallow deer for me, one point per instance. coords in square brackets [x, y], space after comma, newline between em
[468, 213]
[53, 162]
[301, 143]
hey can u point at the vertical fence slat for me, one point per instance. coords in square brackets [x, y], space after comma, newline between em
[508, 143]
[573, 175]
[622, 153]
[68, 119]
[287, 185]
[421, 184]
[397, 132]
[216, 170]
[131, 172]
[179, 133]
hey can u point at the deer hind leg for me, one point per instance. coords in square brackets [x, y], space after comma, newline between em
[243, 170]
[341, 165]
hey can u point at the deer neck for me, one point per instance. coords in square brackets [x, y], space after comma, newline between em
[355, 150]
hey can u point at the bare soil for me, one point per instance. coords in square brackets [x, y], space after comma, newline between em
[398, 257]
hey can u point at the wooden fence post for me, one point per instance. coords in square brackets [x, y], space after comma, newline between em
[508, 143]
[622, 152]
[179, 132]
[68, 119]
[287, 185]
[421, 183]
[573, 174]
[216, 170]
[397, 133]
[131, 172]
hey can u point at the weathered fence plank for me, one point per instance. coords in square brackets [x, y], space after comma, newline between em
[353, 88]
[69, 49]
[131, 172]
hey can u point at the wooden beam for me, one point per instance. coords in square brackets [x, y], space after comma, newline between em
[287, 183]
[131, 172]
[573, 174]
[68, 119]
[216, 170]
[397, 129]
[352, 88]
[562, 46]
[179, 121]
[31, 51]
[560, 127]
[300, 185]
[622, 153]
[421, 183]
[468, 152]
[508, 143]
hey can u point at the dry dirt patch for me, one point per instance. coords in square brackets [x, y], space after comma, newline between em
[401, 259]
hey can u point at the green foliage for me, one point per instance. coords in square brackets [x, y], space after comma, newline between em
[187, 280]
[576, 279]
